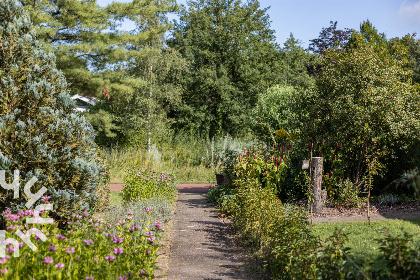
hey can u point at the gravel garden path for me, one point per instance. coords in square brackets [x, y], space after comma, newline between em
[201, 247]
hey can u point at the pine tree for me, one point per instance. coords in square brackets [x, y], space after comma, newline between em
[40, 134]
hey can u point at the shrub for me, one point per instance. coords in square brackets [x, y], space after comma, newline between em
[40, 133]
[401, 255]
[263, 167]
[147, 183]
[88, 249]
[348, 195]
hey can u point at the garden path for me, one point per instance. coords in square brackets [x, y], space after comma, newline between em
[201, 247]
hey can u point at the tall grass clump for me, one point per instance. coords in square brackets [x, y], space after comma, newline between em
[189, 158]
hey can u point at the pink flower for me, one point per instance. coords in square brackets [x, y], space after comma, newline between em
[89, 278]
[48, 260]
[70, 250]
[118, 251]
[130, 213]
[88, 242]
[3, 271]
[142, 272]
[148, 209]
[110, 258]
[96, 260]
[149, 233]
[118, 240]
[59, 265]
[151, 239]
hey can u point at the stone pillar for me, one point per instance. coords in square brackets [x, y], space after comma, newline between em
[319, 196]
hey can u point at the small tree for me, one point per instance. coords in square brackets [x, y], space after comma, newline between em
[364, 102]
[40, 134]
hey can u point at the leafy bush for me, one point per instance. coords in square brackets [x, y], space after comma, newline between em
[88, 249]
[402, 256]
[348, 195]
[145, 184]
[224, 197]
[40, 133]
[262, 167]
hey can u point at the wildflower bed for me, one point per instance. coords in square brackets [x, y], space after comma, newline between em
[120, 243]
[86, 249]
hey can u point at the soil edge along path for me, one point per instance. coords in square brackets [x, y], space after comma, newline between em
[201, 247]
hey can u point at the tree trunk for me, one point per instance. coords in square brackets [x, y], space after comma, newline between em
[319, 196]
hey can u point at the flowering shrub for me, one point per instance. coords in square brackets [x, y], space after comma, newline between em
[266, 167]
[86, 249]
[145, 184]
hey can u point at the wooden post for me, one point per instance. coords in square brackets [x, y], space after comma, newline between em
[319, 196]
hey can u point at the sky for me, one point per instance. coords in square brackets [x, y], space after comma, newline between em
[306, 18]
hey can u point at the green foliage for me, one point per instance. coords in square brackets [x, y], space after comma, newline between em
[273, 112]
[40, 133]
[224, 196]
[76, 31]
[145, 184]
[402, 256]
[348, 195]
[364, 102]
[296, 62]
[262, 167]
[232, 58]
[87, 248]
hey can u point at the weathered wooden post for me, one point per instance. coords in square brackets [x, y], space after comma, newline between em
[319, 195]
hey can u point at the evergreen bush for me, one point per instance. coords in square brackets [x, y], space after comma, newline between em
[40, 133]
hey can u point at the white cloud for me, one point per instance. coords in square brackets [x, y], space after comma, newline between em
[409, 12]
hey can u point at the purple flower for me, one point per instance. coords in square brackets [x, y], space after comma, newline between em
[122, 278]
[158, 224]
[3, 271]
[96, 260]
[149, 233]
[151, 239]
[59, 265]
[118, 251]
[48, 260]
[59, 236]
[86, 214]
[118, 240]
[52, 247]
[110, 258]
[10, 249]
[148, 209]
[88, 242]
[70, 250]
[142, 272]
[3, 260]
[89, 278]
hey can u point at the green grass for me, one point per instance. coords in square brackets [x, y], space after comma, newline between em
[191, 160]
[115, 198]
[363, 243]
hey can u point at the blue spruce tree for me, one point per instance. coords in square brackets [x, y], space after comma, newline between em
[40, 134]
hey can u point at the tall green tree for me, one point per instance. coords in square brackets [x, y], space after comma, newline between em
[40, 134]
[143, 80]
[233, 57]
[365, 102]
[79, 34]
[296, 61]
